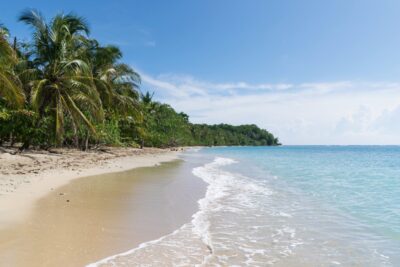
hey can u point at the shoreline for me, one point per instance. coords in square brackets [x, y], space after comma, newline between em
[27, 177]
[89, 219]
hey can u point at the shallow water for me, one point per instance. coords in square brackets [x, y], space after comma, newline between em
[286, 206]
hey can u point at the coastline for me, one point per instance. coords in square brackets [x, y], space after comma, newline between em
[27, 177]
[101, 215]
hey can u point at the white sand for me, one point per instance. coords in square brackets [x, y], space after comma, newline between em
[29, 176]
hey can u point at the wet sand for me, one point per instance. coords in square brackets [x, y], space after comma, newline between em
[26, 177]
[95, 217]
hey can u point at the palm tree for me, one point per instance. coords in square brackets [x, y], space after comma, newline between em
[117, 85]
[147, 98]
[116, 82]
[64, 84]
[10, 86]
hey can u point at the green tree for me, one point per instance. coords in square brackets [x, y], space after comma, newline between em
[10, 86]
[64, 85]
[63, 88]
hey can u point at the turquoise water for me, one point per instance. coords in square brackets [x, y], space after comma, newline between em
[352, 193]
[286, 206]
[363, 181]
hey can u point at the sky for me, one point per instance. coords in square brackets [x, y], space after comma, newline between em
[310, 71]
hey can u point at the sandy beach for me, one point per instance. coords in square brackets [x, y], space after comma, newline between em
[26, 177]
[94, 217]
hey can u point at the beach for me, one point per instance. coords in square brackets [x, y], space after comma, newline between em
[284, 206]
[94, 217]
[26, 177]
[280, 206]
[52, 218]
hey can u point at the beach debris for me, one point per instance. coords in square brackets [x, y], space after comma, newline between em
[210, 249]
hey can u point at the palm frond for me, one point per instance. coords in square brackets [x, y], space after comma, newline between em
[77, 114]
[34, 18]
[38, 94]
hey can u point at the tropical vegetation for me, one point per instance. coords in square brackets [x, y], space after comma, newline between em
[63, 88]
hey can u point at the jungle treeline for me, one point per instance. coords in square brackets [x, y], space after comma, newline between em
[64, 88]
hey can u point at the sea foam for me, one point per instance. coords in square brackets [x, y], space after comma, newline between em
[199, 225]
[286, 206]
[194, 242]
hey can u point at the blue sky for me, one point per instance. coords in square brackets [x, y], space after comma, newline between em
[311, 71]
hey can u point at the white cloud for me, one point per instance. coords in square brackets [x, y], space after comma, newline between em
[342, 112]
[388, 122]
[190, 85]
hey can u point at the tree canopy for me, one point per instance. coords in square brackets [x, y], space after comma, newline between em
[64, 88]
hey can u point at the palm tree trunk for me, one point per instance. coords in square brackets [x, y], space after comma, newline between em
[11, 139]
[85, 146]
[76, 137]
[87, 142]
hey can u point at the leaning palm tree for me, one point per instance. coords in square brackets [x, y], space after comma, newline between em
[123, 82]
[116, 82]
[64, 84]
[10, 86]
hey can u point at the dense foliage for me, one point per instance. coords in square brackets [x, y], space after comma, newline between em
[228, 135]
[64, 88]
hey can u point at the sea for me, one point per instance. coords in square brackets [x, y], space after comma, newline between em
[285, 206]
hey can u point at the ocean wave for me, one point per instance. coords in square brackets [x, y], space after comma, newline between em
[199, 224]
[214, 231]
